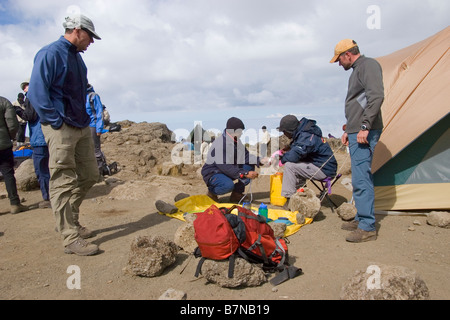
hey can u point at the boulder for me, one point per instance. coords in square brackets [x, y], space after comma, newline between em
[26, 179]
[185, 239]
[346, 211]
[246, 274]
[439, 219]
[382, 282]
[149, 256]
[305, 202]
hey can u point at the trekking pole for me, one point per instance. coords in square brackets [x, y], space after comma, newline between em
[249, 191]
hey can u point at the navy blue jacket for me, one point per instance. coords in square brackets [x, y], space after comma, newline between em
[228, 157]
[58, 85]
[307, 146]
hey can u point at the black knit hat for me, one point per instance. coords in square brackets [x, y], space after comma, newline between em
[235, 123]
[288, 123]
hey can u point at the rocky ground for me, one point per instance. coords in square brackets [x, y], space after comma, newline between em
[33, 265]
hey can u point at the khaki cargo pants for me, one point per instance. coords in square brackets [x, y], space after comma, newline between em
[73, 171]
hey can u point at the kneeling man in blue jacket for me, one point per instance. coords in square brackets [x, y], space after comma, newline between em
[229, 160]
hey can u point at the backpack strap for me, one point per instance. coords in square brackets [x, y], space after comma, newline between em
[258, 244]
[231, 263]
[232, 260]
[199, 267]
[280, 250]
[287, 273]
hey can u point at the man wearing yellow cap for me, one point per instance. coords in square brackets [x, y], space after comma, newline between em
[362, 131]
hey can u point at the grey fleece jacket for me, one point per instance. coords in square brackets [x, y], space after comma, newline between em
[365, 95]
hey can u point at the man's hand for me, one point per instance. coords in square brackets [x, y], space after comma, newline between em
[362, 136]
[344, 139]
[251, 175]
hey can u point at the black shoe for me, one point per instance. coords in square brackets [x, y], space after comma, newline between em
[181, 196]
[166, 208]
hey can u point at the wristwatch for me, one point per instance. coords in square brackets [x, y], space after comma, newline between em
[363, 127]
[242, 175]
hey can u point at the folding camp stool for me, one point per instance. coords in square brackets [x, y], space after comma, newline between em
[325, 189]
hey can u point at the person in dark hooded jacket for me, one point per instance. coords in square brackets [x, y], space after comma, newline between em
[307, 157]
[229, 160]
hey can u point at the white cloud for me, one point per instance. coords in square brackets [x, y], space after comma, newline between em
[186, 58]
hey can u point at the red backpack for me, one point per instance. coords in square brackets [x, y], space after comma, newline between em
[215, 238]
[260, 245]
[221, 235]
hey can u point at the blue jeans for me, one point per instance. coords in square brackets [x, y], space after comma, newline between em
[40, 161]
[362, 180]
[221, 184]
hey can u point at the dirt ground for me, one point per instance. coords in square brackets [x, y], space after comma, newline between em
[33, 265]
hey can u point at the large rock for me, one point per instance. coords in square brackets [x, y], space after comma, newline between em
[246, 274]
[26, 179]
[346, 211]
[305, 202]
[138, 148]
[149, 256]
[439, 219]
[185, 237]
[382, 282]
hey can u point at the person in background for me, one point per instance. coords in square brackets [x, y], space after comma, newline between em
[307, 157]
[57, 92]
[94, 109]
[8, 130]
[229, 160]
[264, 142]
[362, 131]
[19, 106]
[40, 149]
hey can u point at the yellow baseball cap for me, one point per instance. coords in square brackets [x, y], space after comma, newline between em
[341, 47]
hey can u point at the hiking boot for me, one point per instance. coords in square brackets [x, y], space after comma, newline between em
[45, 204]
[360, 235]
[213, 196]
[81, 247]
[84, 232]
[237, 197]
[16, 208]
[350, 226]
[164, 207]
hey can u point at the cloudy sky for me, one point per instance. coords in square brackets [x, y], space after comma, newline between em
[184, 61]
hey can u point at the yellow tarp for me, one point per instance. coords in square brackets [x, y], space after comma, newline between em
[200, 203]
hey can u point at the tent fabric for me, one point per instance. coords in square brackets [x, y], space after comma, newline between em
[200, 203]
[411, 161]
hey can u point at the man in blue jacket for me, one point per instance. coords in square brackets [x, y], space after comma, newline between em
[57, 92]
[307, 157]
[228, 160]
